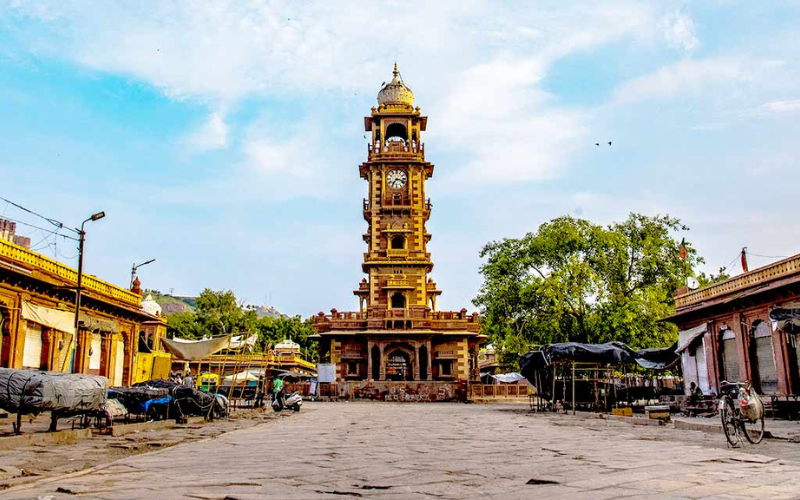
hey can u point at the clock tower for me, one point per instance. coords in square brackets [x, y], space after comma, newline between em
[398, 335]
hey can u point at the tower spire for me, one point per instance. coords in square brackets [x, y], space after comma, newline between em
[396, 71]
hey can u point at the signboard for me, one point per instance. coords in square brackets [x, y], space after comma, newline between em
[326, 372]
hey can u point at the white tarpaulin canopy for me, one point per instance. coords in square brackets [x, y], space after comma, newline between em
[63, 321]
[244, 376]
[508, 377]
[195, 350]
[686, 337]
[240, 342]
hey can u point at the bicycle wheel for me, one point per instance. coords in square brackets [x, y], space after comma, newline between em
[753, 431]
[728, 414]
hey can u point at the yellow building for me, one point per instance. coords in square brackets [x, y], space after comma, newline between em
[398, 334]
[37, 311]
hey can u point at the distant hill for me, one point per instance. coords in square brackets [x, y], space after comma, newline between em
[262, 311]
[171, 304]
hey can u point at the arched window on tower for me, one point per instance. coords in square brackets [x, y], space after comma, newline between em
[396, 131]
[398, 243]
[398, 301]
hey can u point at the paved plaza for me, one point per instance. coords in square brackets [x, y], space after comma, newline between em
[383, 450]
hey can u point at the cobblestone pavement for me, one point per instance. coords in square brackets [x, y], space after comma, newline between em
[374, 450]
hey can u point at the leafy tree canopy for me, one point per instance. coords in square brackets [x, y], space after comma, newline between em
[573, 280]
[219, 313]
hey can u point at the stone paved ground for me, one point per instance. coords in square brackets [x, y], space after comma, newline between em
[374, 450]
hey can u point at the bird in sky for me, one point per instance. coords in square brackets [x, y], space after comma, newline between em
[609, 143]
[596, 143]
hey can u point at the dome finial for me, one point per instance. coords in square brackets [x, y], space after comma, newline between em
[396, 71]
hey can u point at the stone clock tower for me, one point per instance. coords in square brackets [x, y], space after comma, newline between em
[398, 335]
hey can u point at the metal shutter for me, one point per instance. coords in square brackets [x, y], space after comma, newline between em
[32, 353]
[97, 348]
[702, 369]
[765, 361]
[119, 363]
[730, 360]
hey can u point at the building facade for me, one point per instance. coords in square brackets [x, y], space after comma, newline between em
[725, 331]
[397, 335]
[37, 313]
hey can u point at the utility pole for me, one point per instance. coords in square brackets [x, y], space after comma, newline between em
[81, 240]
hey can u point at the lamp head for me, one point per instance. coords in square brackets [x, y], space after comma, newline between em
[97, 216]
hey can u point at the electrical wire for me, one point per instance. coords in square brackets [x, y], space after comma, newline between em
[768, 256]
[54, 222]
[41, 228]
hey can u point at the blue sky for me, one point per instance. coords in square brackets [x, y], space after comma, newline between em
[224, 138]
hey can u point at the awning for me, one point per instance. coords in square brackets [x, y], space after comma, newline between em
[240, 342]
[245, 376]
[195, 350]
[508, 377]
[63, 321]
[102, 324]
[687, 337]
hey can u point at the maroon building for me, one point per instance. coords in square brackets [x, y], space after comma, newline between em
[726, 332]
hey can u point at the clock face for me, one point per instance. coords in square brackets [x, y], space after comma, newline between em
[396, 179]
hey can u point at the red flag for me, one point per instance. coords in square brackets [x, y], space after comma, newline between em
[683, 250]
[744, 259]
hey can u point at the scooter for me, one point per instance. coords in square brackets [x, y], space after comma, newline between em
[291, 401]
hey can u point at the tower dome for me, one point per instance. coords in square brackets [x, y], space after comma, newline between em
[396, 92]
[150, 306]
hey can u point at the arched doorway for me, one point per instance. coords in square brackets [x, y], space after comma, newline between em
[398, 366]
[423, 363]
[398, 301]
[764, 357]
[376, 362]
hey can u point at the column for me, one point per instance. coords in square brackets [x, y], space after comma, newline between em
[430, 357]
[369, 360]
[416, 361]
[383, 365]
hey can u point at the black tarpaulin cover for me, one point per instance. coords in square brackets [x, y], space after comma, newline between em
[612, 353]
[33, 391]
[786, 315]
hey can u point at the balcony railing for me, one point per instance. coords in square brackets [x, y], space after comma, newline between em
[36, 261]
[764, 274]
[386, 318]
[392, 148]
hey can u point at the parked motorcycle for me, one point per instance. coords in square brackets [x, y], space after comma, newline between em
[291, 401]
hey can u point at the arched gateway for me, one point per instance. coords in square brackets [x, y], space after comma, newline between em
[398, 335]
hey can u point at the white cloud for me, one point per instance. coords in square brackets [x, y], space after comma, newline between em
[679, 31]
[688, 77]
[213, 134]
[480, 63]
[782, 106]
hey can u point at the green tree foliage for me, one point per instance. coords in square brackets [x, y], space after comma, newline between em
[710, 279]
[219, 313]
[573, 280]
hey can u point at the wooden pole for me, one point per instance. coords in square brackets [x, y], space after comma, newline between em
[573, 388]
[553, 394]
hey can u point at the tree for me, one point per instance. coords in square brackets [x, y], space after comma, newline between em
[710, 279]
[572, 280]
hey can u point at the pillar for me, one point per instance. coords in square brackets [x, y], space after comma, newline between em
[369, 360]
[430, 357]
[383, 364]
[106, 368]
[416, 361]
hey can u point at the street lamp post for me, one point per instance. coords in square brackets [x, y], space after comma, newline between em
[136, 267]
[82, 238]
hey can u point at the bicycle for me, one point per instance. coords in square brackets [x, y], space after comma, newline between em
[742, 413]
